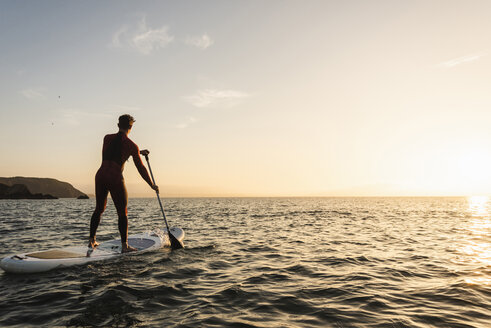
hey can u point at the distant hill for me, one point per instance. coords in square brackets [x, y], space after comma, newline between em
[20, 191]
[49, 186]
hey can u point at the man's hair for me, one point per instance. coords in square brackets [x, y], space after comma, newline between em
[126, 121]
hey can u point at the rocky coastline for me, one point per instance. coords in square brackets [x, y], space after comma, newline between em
[20, 191]
[37, 188]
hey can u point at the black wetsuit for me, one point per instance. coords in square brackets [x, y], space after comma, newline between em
[116, 150]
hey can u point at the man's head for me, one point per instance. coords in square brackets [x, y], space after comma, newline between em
[126, 122]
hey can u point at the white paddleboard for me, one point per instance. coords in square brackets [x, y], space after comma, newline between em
[41, 261]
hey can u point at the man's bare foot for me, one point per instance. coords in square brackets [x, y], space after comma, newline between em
[127, 249]
[92, 243]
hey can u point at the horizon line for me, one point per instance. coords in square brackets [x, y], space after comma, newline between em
[318, 196]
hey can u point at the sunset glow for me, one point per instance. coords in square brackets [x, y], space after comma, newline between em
[326, 99]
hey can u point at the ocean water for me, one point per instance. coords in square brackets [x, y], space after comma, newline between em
[260, 262]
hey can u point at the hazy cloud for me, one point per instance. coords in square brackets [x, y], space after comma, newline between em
[72, 116]
[216, 98]
[142, 38]
[151, 40]
[33, 93]
[77, 117]
[190, 120]
[461, 60]
[116, 42]
[201, 42]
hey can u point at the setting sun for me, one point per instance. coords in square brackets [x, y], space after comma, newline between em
[319, 163]
[331, 105]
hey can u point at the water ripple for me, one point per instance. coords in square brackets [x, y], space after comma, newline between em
[266, 262]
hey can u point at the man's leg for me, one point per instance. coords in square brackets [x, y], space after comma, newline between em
[120, 199]
[101, 200]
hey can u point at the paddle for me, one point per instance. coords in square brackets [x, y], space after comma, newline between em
[174, 242]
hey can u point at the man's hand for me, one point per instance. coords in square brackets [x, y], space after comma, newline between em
[155, 187]
[144, 152]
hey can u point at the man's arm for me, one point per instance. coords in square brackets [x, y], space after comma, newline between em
[141, 168]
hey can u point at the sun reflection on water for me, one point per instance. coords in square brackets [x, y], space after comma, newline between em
[478, 205]
[477, 244]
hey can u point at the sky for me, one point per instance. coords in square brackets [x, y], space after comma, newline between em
[252, 98]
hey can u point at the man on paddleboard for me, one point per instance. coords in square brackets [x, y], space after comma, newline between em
[116, 150]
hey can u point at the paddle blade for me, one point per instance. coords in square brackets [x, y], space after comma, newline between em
[174, 242]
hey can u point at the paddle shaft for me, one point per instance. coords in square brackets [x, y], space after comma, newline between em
[158, 196]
